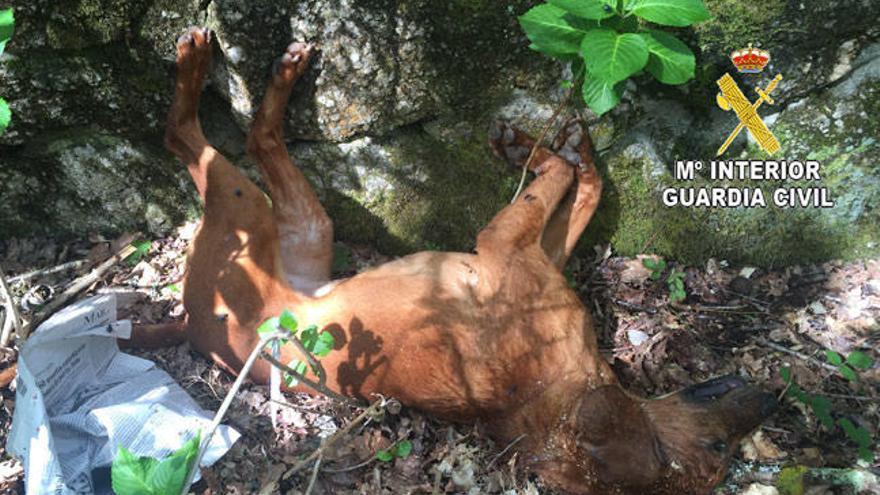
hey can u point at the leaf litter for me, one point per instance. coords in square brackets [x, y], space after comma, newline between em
[734, 320]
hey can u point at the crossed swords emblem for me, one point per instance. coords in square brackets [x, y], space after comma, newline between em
[747, 112]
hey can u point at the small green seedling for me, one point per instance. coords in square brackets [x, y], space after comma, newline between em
[822, 409]
[847, 368]
[400, 450]
[609, 41]
[142, 248]
[317, 343]
[131, 475]
[7, 29]
[674, 281]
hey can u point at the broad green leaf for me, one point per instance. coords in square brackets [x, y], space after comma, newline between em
[601, 96]
[288, 321]
[671, 61]
[649, 263]
[613, 57]
[588, 9]
[128, 474]
[299, 367]
[309, 338]
[168, 476]
[7, 27]
[324, 344]
[848, 373]
[5, 115]
[855, 433]
[550, 30]
[833, 358]
[268, 327]
[661, 264]
[384, 456]
[670, 12]
[141, 249]
[859, 360]
[866, 454]
[403, 449]
[821, 407]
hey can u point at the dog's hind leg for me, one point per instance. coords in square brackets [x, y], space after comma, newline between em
[574, 213]
[520, 224]
[567, 222]
[305, 230]
[233, 267]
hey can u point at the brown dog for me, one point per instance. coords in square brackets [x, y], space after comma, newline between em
[496, 336]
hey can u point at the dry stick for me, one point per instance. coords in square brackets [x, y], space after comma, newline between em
[506, 449]
[540, 141]
[227, 401]
[314, 475]
[70, 265]
[798, 354]
[12, 320]
[76, 287]
[318, 386]
[374, 409]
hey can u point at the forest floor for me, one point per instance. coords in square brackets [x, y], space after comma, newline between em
[735, 320]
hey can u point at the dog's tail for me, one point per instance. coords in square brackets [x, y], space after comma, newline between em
[155, 336]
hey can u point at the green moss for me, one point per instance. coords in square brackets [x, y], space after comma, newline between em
[736, 23]
[83, 23]
[464, 188]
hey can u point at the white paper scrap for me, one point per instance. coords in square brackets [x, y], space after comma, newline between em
[78, 399]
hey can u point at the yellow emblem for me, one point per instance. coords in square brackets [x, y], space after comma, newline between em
[747, 112]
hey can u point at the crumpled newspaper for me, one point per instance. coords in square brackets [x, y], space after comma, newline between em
[78, 399]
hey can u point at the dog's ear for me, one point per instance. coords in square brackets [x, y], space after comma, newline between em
[618, 438]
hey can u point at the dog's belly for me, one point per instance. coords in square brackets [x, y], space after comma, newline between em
[426, 330]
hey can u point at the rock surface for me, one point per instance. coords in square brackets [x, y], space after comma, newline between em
[390, 120]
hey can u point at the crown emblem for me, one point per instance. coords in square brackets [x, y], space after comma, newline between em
[750, 60]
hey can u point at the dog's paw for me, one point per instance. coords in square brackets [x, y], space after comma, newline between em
[292, 63]
[194, 49]
[509, 143]
[573, 144]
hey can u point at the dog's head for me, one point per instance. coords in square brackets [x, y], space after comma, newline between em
[681, 443]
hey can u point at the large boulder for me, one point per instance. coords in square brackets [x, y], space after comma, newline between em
[390, 121]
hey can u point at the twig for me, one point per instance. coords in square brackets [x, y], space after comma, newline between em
[635, 307]
[314, 474]
[353, 467]
[318, 386]
[540, 141]
[374, 409]
[11, 320]
[78, 286]
[800, 355]
[227, 401]
[70, 265]
[506, 449]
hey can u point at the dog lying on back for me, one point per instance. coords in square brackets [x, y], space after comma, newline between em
[494, 336]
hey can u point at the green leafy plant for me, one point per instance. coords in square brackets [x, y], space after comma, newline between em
[855, 360]
[317, 343]
[7, 29]
[141, 249]
[609, 41]
[674, 281]
[400, 450]
[823, 410]
[132, 475]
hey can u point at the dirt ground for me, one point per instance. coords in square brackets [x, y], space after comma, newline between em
[735, 319]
